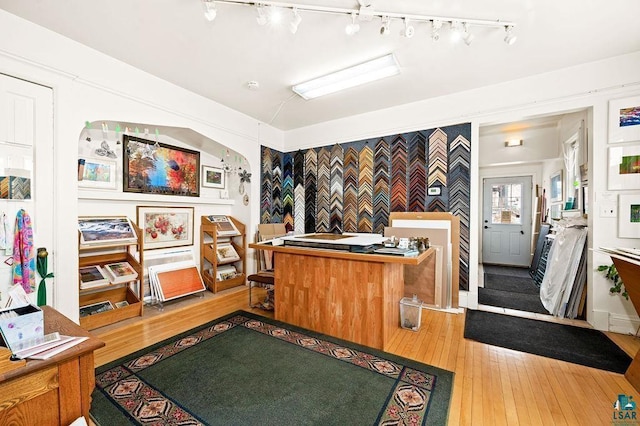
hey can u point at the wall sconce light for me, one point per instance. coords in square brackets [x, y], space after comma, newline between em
[513, 142]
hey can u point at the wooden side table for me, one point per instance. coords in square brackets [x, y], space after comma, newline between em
[55, 391]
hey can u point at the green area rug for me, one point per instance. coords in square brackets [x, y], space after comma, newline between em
[245, 369]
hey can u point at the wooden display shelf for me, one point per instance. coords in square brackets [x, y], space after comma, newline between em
[102, 254]
[209, 262]
[115, 295]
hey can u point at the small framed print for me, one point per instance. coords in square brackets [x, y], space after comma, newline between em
[624, 167]
[629, 216]
[96, 173]
[624, 120]
[555, 183]
[213, 177]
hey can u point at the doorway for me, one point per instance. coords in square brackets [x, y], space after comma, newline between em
[506, 217]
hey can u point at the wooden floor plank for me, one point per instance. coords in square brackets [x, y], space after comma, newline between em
[492, 385]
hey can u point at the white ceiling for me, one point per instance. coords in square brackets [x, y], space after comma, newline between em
[172, 40]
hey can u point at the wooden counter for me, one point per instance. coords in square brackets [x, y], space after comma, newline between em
[629, 271]
[351, 296]
[53, 391]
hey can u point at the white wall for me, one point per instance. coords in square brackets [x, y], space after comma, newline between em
[90, 86]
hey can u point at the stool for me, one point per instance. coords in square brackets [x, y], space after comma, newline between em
[262, 279]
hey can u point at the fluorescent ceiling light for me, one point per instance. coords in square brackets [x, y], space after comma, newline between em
[376, 69]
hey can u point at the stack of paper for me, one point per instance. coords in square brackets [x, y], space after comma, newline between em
[46, 346]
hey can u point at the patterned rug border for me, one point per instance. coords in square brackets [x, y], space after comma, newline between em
[408, 402]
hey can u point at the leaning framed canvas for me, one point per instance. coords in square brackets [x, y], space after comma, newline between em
[165, 227]
[213, 177]
[156, 168]
[96, 173]
[629, 216]
[624, 120]
[555, 186]
[624, 167]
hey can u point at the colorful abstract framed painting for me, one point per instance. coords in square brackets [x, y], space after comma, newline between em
[629, 216]
[213, 177]
[156, 168]
[165, 227]
[624, 120]
[96, 173]
[624, 167]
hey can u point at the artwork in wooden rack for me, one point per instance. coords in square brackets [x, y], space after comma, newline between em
[226, 253]
[165, 227]
[106, 230]
[120, 272]
[156, 168]
[224, 224]
[92, 276]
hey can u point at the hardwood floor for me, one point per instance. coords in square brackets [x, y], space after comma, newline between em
[492, 385]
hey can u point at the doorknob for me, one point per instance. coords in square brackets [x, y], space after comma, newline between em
[522, 232]
[486, 227]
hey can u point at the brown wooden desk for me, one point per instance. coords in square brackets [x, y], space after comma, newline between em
[351, 296]
[629, 271]
[55, 391]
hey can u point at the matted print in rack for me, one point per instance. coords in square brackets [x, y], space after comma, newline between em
[165, 227]
[225, 226]
[106, 230]
[624, 120]
[156, 168]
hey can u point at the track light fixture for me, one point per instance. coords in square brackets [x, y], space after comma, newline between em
[262, 14]
[353, 27]
[436, 25]
[210, 11]
[456, 33]
[408, 29]
[385, 29]
[509, 37]
[466, 35]
[269, 11]
[295, 21]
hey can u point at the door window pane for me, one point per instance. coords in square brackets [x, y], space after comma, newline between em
[506, 202]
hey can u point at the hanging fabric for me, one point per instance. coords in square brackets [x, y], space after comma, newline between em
[24, 259]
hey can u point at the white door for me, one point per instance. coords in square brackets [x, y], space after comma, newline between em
[506, 221]
[26, 152]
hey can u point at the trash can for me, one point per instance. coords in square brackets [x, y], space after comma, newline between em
[410, 313]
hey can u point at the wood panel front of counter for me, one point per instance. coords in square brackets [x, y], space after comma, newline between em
[351, 296]
[55, 391]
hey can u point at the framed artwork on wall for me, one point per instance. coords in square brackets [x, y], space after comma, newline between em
[624, 120]
[96, 173]
[629, 216]
[156, 168]
[555, 186]
[213, 177]
[624, 167]
[164, 227]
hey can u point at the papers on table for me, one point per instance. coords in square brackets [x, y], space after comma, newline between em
[47, 346]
